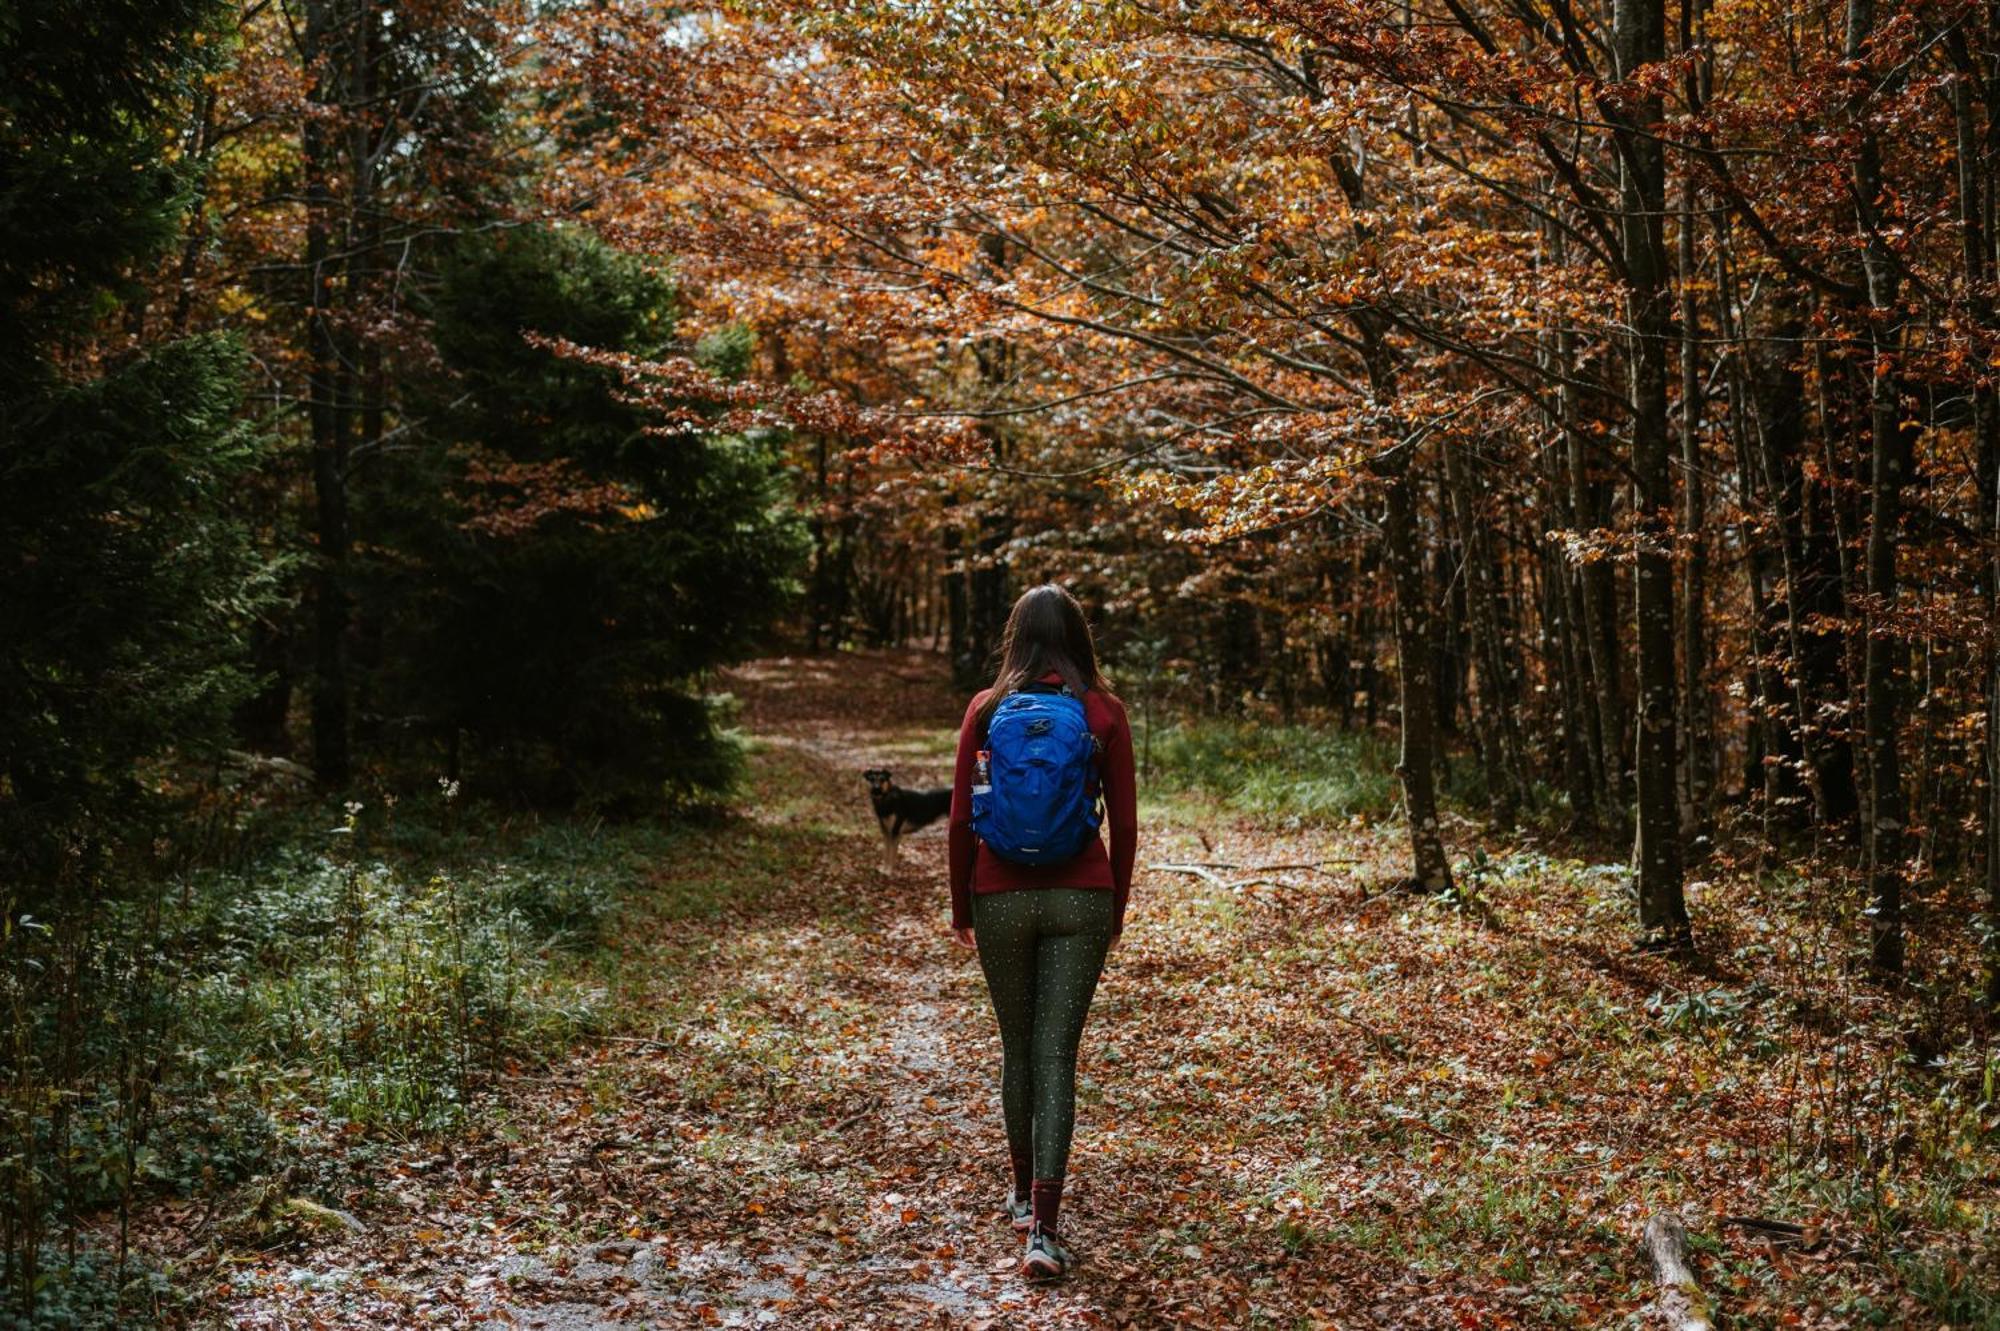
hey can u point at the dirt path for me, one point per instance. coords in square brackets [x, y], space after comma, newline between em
[804, 1134]
[1302, 1104]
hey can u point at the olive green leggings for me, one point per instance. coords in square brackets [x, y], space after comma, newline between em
[1042, 949]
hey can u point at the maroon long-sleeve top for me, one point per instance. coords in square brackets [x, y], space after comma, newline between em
[974, 868]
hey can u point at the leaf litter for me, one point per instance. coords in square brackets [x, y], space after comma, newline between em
[1302, 1102]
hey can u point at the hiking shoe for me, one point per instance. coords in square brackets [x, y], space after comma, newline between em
[1045, 1259]
[1020, 1213]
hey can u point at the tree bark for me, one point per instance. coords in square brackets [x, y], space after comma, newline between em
[1417, 764]
[1497, 715]
[1639, 39]
[991, 596]
[332, 758]
[1991, 470]
[1597, 591]
[1982, 202]
[1698, 757]
[958, 628]
[1973, 200]
[1814, 592]
[819, 600]
[1887, 464]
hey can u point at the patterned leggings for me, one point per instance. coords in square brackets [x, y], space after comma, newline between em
[1042, 949]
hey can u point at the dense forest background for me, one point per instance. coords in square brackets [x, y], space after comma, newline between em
[407, 408]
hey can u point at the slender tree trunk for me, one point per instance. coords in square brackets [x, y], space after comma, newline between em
[1887, 463]
[1598, 591]
[1883, 715]
[816, 526]
[1698, 761]
[958, 610]
[1497, 714]
[1990, 470]
[841, 611]
[326, 411]
[1417, 764]
[371, 135]
[1803, 751]
[1698, 714]
[1448, 647]
[1582, 771]
[1590, 783]
[1989, 478]
[990, 601]
[1639, 39]
[1974, 198]
[991, 594]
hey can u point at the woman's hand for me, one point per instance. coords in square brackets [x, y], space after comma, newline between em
[963, 937]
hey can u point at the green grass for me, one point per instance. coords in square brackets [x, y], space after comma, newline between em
[1273, 769]
[358, 975]
[1299, 771]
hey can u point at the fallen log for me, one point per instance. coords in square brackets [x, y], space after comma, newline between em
[1681, 1305]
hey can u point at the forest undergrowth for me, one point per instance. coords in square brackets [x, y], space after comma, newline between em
[762, 1092]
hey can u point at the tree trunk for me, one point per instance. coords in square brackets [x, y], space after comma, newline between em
[1417, 764]
[1496, 717]
[1805, 752]
[987, 616]
[991, 595]
[1697, 725]
[1814, 594]
[1590, 787]
[1973, 200]
[326, 412]
[958, 628]
[1639, 39]
[819, 600]
[1990, 469]
[1887, 464]
[1989, 506]
[1598, 593]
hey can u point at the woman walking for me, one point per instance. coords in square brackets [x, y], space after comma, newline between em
[1044, 758]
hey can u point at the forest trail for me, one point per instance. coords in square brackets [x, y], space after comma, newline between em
[1302, 1103]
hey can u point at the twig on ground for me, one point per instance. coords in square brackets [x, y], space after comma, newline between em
[1778, 1231]
[1205, 870]
[1785, 1234]
[643, 1041]
[1200, 871]
[1316, 866]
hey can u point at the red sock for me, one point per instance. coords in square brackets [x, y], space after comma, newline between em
[1048, 1201]
[1024, 1175]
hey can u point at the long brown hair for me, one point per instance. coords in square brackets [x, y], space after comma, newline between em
[1045, 631]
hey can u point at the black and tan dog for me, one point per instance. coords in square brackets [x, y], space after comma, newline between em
[900, 811]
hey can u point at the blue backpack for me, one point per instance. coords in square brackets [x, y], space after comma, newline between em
[1035, 798]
